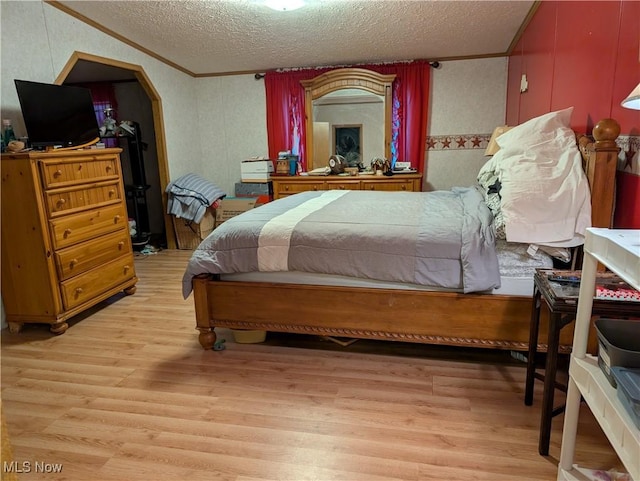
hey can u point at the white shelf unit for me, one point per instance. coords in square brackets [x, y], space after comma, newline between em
[619, 250]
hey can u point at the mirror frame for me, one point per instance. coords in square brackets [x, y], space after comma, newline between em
[347, 78]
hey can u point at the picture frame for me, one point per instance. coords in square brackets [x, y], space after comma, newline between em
[347, 142]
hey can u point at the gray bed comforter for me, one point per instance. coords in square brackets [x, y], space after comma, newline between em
[443, 239]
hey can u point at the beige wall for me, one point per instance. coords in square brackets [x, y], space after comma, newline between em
[214, 123]
[468, 98]
[37, 42]
[231, 126]
[211, 124]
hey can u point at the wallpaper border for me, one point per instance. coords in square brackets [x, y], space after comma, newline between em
[457, 142]
[627, 160]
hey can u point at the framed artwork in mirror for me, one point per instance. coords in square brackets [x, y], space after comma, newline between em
[347, 141]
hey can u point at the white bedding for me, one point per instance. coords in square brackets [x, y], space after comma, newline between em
[544, 192]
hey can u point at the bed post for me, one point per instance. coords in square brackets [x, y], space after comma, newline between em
[207, 335]
[601, 163]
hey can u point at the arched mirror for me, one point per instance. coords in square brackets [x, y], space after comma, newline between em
[348, 112]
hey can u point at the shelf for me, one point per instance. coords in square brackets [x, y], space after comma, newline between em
[578, 473]
[619, 250]
[614, 420]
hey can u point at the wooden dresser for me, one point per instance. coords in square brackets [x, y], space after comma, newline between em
[65, 235]
[285, 185]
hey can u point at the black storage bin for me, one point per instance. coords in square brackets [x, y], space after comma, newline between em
[629, 391]
[618, 345]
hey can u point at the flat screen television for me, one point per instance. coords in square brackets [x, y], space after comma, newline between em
[57, 115]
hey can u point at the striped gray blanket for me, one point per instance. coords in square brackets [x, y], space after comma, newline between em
[190, 195]
[441, 239]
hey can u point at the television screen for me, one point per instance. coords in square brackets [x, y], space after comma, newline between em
[57, 115]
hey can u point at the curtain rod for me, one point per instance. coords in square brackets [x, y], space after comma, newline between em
[259, 76]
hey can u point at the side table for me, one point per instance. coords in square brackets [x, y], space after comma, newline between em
[561, 300]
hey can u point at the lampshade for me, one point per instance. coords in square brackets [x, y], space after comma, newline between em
[633, 100]
[493, 146]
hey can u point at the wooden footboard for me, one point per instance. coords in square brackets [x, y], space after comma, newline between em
[471, 320]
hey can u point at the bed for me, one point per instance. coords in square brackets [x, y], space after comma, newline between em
[396, 309]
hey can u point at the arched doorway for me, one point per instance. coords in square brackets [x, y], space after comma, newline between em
[158, 121]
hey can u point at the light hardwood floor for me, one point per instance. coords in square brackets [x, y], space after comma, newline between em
[127, 393]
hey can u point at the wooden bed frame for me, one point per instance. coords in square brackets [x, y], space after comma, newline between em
[472, 320]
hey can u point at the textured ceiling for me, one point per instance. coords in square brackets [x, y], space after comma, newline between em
[209, 37]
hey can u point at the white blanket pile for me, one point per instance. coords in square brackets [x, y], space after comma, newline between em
[544, 192]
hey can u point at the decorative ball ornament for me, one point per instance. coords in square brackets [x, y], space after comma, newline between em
[337, 164]
[606, 131]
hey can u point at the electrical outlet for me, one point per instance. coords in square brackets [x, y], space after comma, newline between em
[524, 84]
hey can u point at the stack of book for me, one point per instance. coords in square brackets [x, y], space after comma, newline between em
[609, 286]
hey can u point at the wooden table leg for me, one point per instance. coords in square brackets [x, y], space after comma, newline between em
[533, 346]
[549, 383]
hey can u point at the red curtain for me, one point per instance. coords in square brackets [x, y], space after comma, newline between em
[286, 121]
[104, 97]
[285, 112]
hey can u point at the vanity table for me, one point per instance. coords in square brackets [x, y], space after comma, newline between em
[288, 185]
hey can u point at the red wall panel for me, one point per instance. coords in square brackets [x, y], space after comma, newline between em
[580, 53]
[585, 60]
[627, 68]
[513, 85]
[587, 55]
[627, 214]
[537, 62]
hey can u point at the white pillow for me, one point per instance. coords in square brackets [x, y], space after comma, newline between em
[545, 193]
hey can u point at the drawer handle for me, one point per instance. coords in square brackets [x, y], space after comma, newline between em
[341, 187]
[57, 173]
[66, 233]
[78, 291]
[61, 202]
[315, 187]
[120, 245]
[116, 219]
[404, 187]
[73, 262]
[108, 168]
[112, 193]
[286, 187]
[372, 187]
[126, 268]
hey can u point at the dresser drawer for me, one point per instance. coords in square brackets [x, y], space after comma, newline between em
[71, 229]
[86, 286]
[343, 185]
[61, 173]
[285, 188]
[394, 185]
[82, 197]
[82, 257]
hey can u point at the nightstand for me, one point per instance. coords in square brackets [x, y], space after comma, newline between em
[561, 299]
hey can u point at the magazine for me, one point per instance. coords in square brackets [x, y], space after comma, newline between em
[609, 286]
